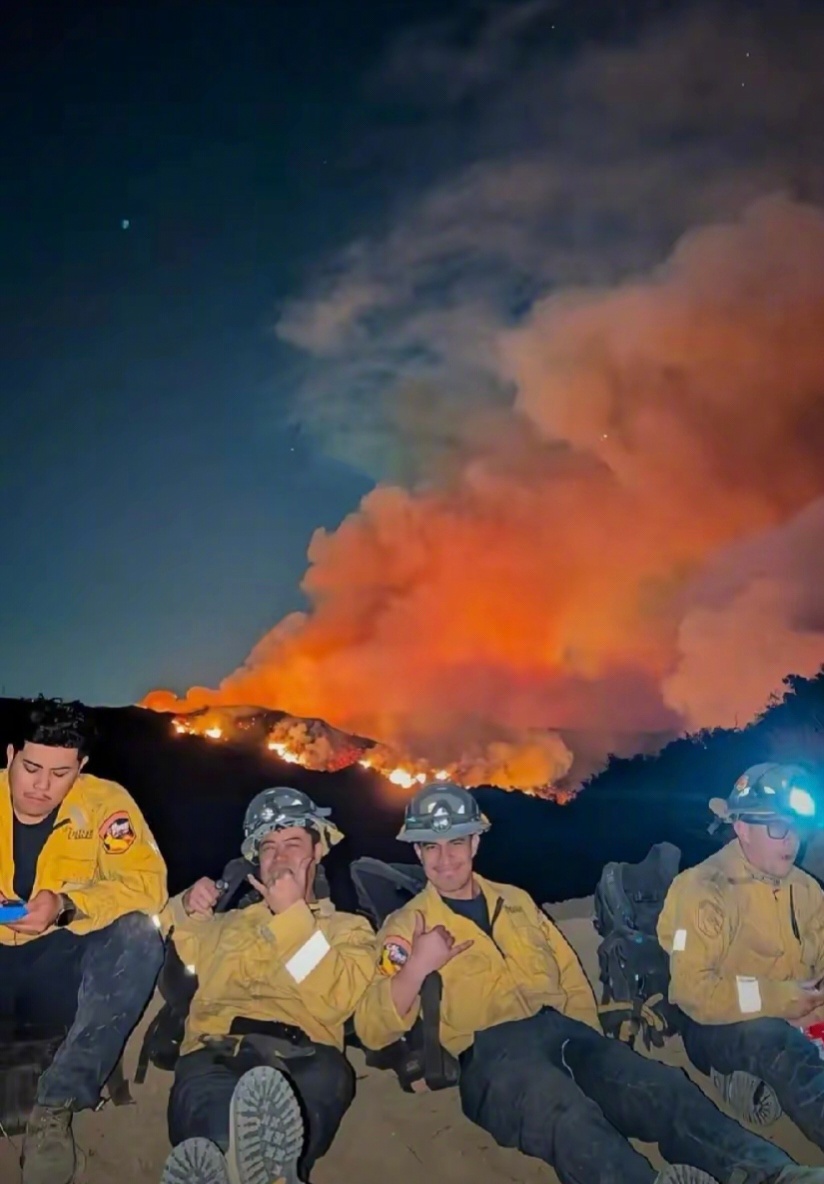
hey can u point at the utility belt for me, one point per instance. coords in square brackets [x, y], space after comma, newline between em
[270, 1040]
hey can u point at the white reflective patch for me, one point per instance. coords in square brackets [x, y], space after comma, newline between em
[679, 941]
[156, 922]
[749, 995]
[308, 956]
[190, 969]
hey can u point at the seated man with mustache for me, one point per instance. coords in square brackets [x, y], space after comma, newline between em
[83, 959]
[276, 983]
[517, 1011]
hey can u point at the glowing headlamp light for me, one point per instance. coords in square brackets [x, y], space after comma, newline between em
[801, 803]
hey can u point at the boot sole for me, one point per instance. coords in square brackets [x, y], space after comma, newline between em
[684, 1174]
[195, 1161]
[266, 1130]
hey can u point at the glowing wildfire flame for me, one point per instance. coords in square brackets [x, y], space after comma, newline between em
[284, 752]
[303, 750]
[400, 776]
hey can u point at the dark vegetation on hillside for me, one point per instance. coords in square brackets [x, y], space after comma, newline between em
[194, 793]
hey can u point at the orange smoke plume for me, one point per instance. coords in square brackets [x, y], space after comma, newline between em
[566, 589]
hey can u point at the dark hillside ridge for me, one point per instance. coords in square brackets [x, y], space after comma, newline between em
[194, 793]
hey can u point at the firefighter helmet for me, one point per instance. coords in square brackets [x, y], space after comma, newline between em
[769, 790]
[441, 811]
[279, 808]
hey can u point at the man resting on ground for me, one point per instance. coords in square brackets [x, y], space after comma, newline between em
[84, 959]
[277, 981]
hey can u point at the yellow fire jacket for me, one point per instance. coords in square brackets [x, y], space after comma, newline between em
[307, 967]
[739, 941]
[527, 964]
[100, 852]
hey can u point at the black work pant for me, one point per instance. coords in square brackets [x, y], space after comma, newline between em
[205, 1081]
[772, 1050]
[92, 989]
[556, 1089]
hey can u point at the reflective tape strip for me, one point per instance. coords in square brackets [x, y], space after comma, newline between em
[310, 955]
[749, 995]
[679, 941]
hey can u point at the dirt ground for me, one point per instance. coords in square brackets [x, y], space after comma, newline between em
[415, 1138]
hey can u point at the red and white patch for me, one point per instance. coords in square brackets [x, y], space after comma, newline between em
[395, 952]
[117, 833]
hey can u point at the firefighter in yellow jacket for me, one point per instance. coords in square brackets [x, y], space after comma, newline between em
[276, 983]
[518, 1013]
[78, 861]
[745, 935]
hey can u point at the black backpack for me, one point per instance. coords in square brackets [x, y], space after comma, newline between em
[418, 1058]
[634, 969]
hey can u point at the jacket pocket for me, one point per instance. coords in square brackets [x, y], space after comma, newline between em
[72, 872]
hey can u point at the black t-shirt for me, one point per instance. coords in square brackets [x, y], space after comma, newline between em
[29, 841]
[475, 910]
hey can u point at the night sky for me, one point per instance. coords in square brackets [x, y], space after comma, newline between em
[172, 175]
[157, 505]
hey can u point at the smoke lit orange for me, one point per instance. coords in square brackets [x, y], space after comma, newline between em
[572, 587]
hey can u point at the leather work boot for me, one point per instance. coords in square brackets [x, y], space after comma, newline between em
[681, 1173]
[48, 1147]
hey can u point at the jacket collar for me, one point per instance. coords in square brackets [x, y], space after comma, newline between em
[433, 896]
[738, 868]
[322, 908]
[318, 908]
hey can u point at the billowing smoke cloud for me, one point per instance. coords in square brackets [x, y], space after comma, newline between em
[757, 612]
[612, 464]
[553, 169]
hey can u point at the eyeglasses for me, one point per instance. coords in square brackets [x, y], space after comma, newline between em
[777, 828]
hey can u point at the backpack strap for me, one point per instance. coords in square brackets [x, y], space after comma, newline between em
[631, 1018]
[118, 1086]
[440, 1068]
[144, 1056]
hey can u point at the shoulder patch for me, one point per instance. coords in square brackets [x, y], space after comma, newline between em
[710, 919]
[394, 954]
[117, 833]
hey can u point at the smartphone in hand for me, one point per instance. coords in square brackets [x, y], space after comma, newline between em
[12, 911]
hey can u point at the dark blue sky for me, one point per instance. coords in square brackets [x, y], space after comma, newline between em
[156, 503]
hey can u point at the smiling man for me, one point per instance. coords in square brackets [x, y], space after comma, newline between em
[83, 960]
[745, 935]
[276, 982]
[518, 1013]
